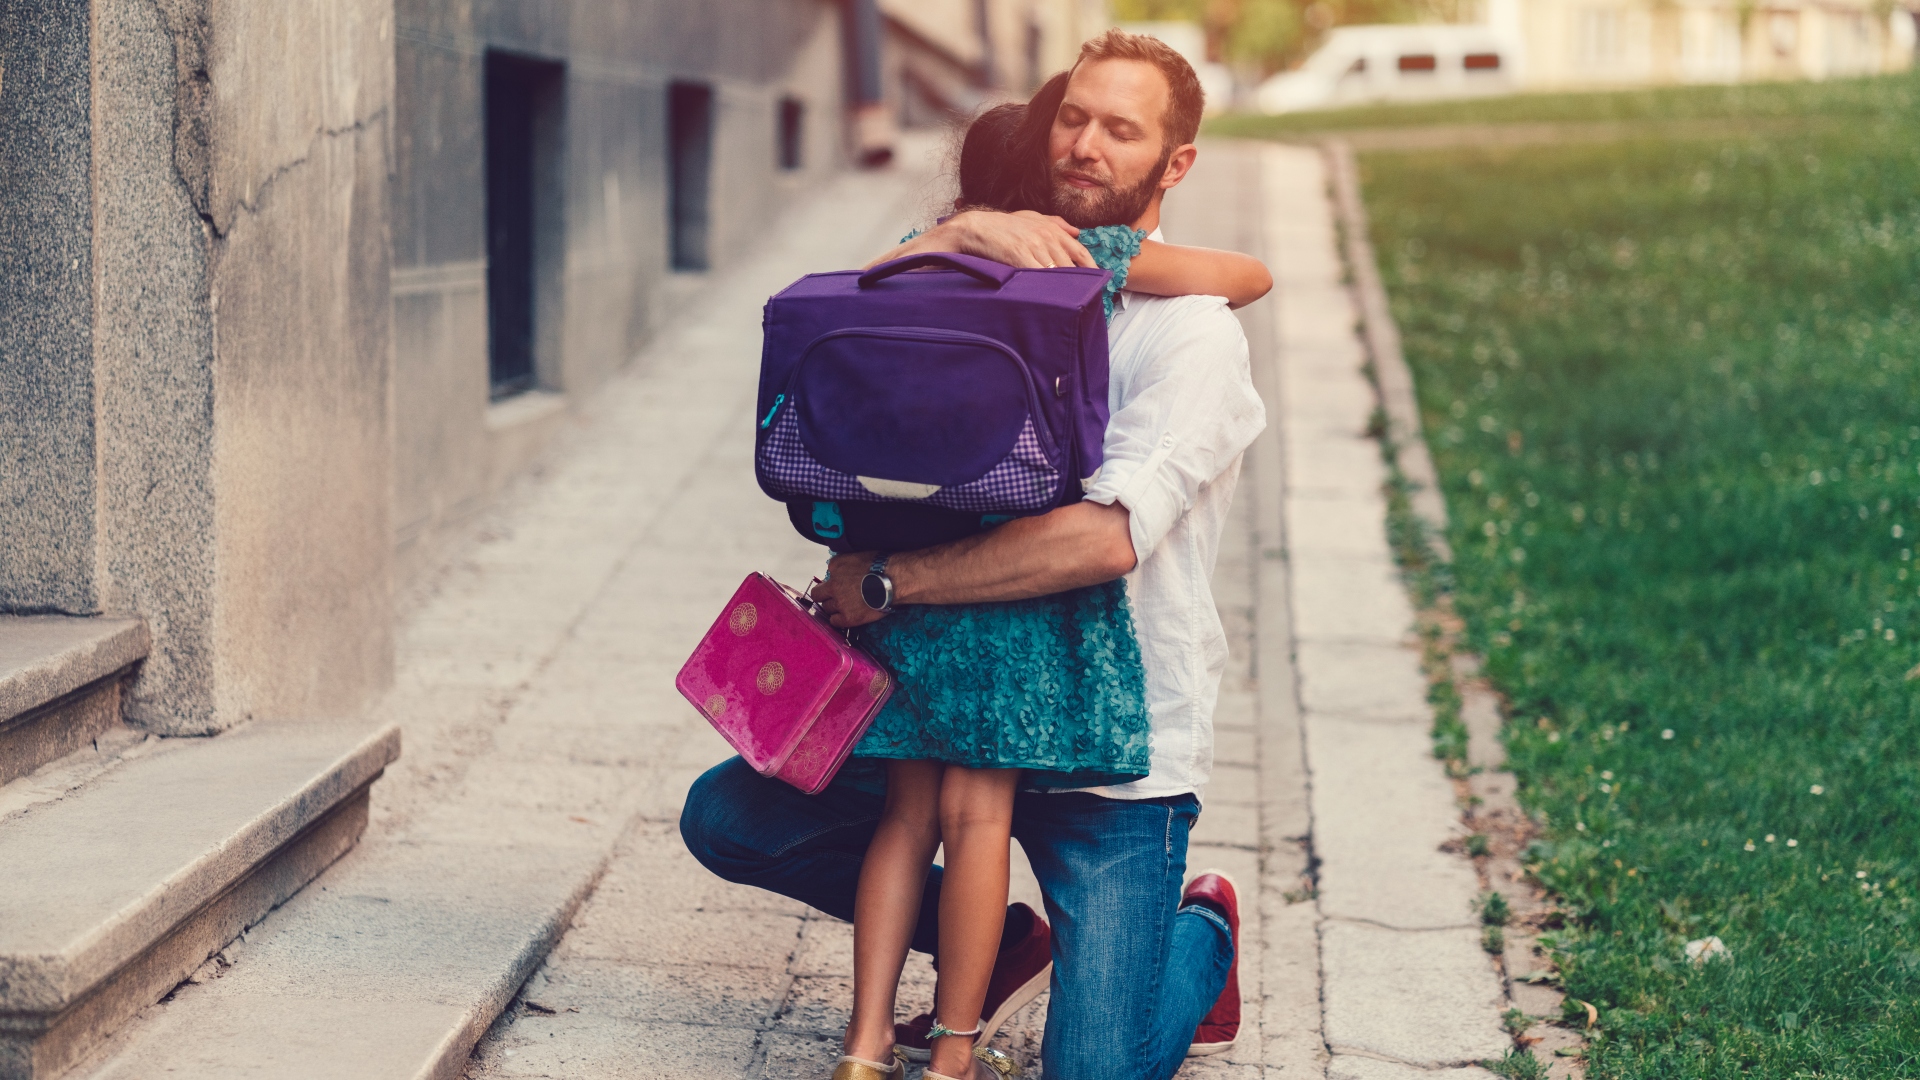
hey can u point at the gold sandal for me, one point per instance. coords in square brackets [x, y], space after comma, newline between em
[1003, 1066]
[853, 1068]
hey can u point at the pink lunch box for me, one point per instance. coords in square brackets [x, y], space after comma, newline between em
[786, 690]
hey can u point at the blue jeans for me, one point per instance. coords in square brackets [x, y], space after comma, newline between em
[1133, 973]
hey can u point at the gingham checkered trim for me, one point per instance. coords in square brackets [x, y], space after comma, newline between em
[1023, 481]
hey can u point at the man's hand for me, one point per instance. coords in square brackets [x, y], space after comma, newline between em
[1025, 239]
[838, 594]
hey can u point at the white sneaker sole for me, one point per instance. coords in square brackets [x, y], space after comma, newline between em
[1210, 1049]
[1019, 999]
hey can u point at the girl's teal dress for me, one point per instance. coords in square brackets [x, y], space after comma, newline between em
[1052, 685]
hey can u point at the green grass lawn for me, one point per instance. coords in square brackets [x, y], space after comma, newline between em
[1839, 99]
[1673, 391]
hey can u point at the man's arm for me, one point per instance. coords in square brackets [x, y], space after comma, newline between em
[1069, 548]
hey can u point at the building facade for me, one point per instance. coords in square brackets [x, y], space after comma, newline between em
[560, 178]
[1587, 43]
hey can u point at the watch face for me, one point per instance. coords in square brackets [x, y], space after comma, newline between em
[873, 589]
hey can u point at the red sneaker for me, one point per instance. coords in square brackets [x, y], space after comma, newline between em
[1020, 972]
[1221, 1026]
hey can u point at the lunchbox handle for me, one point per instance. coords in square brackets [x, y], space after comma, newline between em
[804, 599]
[983, 270]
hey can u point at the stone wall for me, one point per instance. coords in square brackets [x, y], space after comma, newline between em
[197, 425]
[297, 206]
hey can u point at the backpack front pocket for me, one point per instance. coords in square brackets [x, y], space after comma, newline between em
[912, 414]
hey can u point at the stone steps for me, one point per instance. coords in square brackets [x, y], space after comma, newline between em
[131, 860]
[389, 967]
[60, 684]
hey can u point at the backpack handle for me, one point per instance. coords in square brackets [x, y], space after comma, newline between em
[984, 270]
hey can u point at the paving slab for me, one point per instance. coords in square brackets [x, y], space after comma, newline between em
[1363, 681]
[569, 1046]
[1345, 527]
[1354, 1067]
[1380, 816]
[1354, 600]
[1427, 997]
[1342, 462]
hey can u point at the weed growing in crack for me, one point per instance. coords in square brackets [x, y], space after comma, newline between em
[1494, 910]
[1518, 1064]
[1493, 939]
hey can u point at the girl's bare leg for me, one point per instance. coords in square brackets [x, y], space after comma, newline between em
[888, 901]
[976, 824]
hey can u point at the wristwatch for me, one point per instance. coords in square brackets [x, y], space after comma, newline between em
[877, 588]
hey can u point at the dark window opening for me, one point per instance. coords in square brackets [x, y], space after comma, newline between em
[1482, 61]
[689, 170]
[523, 141]
[1418, 62]
[1358, 67]
[793, 114]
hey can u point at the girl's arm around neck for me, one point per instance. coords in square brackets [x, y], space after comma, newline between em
[1024, 239]
[1177, 270]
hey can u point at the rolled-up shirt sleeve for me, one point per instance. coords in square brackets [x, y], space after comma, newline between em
[1185, 413]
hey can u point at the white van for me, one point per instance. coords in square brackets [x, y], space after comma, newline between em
[1360, 64]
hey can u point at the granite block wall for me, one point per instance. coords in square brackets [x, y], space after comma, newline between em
[47, 486]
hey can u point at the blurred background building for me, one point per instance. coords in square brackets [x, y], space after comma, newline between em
[1579, 43]
[1285, 55]
[1504, 46]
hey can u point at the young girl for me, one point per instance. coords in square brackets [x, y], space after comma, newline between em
[993, 698]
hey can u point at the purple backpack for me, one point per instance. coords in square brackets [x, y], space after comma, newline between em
[899, 410]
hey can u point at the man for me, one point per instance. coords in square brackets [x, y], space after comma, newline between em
[1143, 974]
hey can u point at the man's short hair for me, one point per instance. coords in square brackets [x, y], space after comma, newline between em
[1185, 99]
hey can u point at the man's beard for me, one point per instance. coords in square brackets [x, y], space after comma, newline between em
[1089, 208]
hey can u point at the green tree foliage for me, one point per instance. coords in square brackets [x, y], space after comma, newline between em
[1263, 36]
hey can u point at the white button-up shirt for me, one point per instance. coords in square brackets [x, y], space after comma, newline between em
[1184, 410]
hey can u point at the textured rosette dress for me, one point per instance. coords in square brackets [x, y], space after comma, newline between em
[1052, 685]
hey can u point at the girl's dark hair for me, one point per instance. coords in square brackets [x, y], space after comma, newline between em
[1003, 160]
